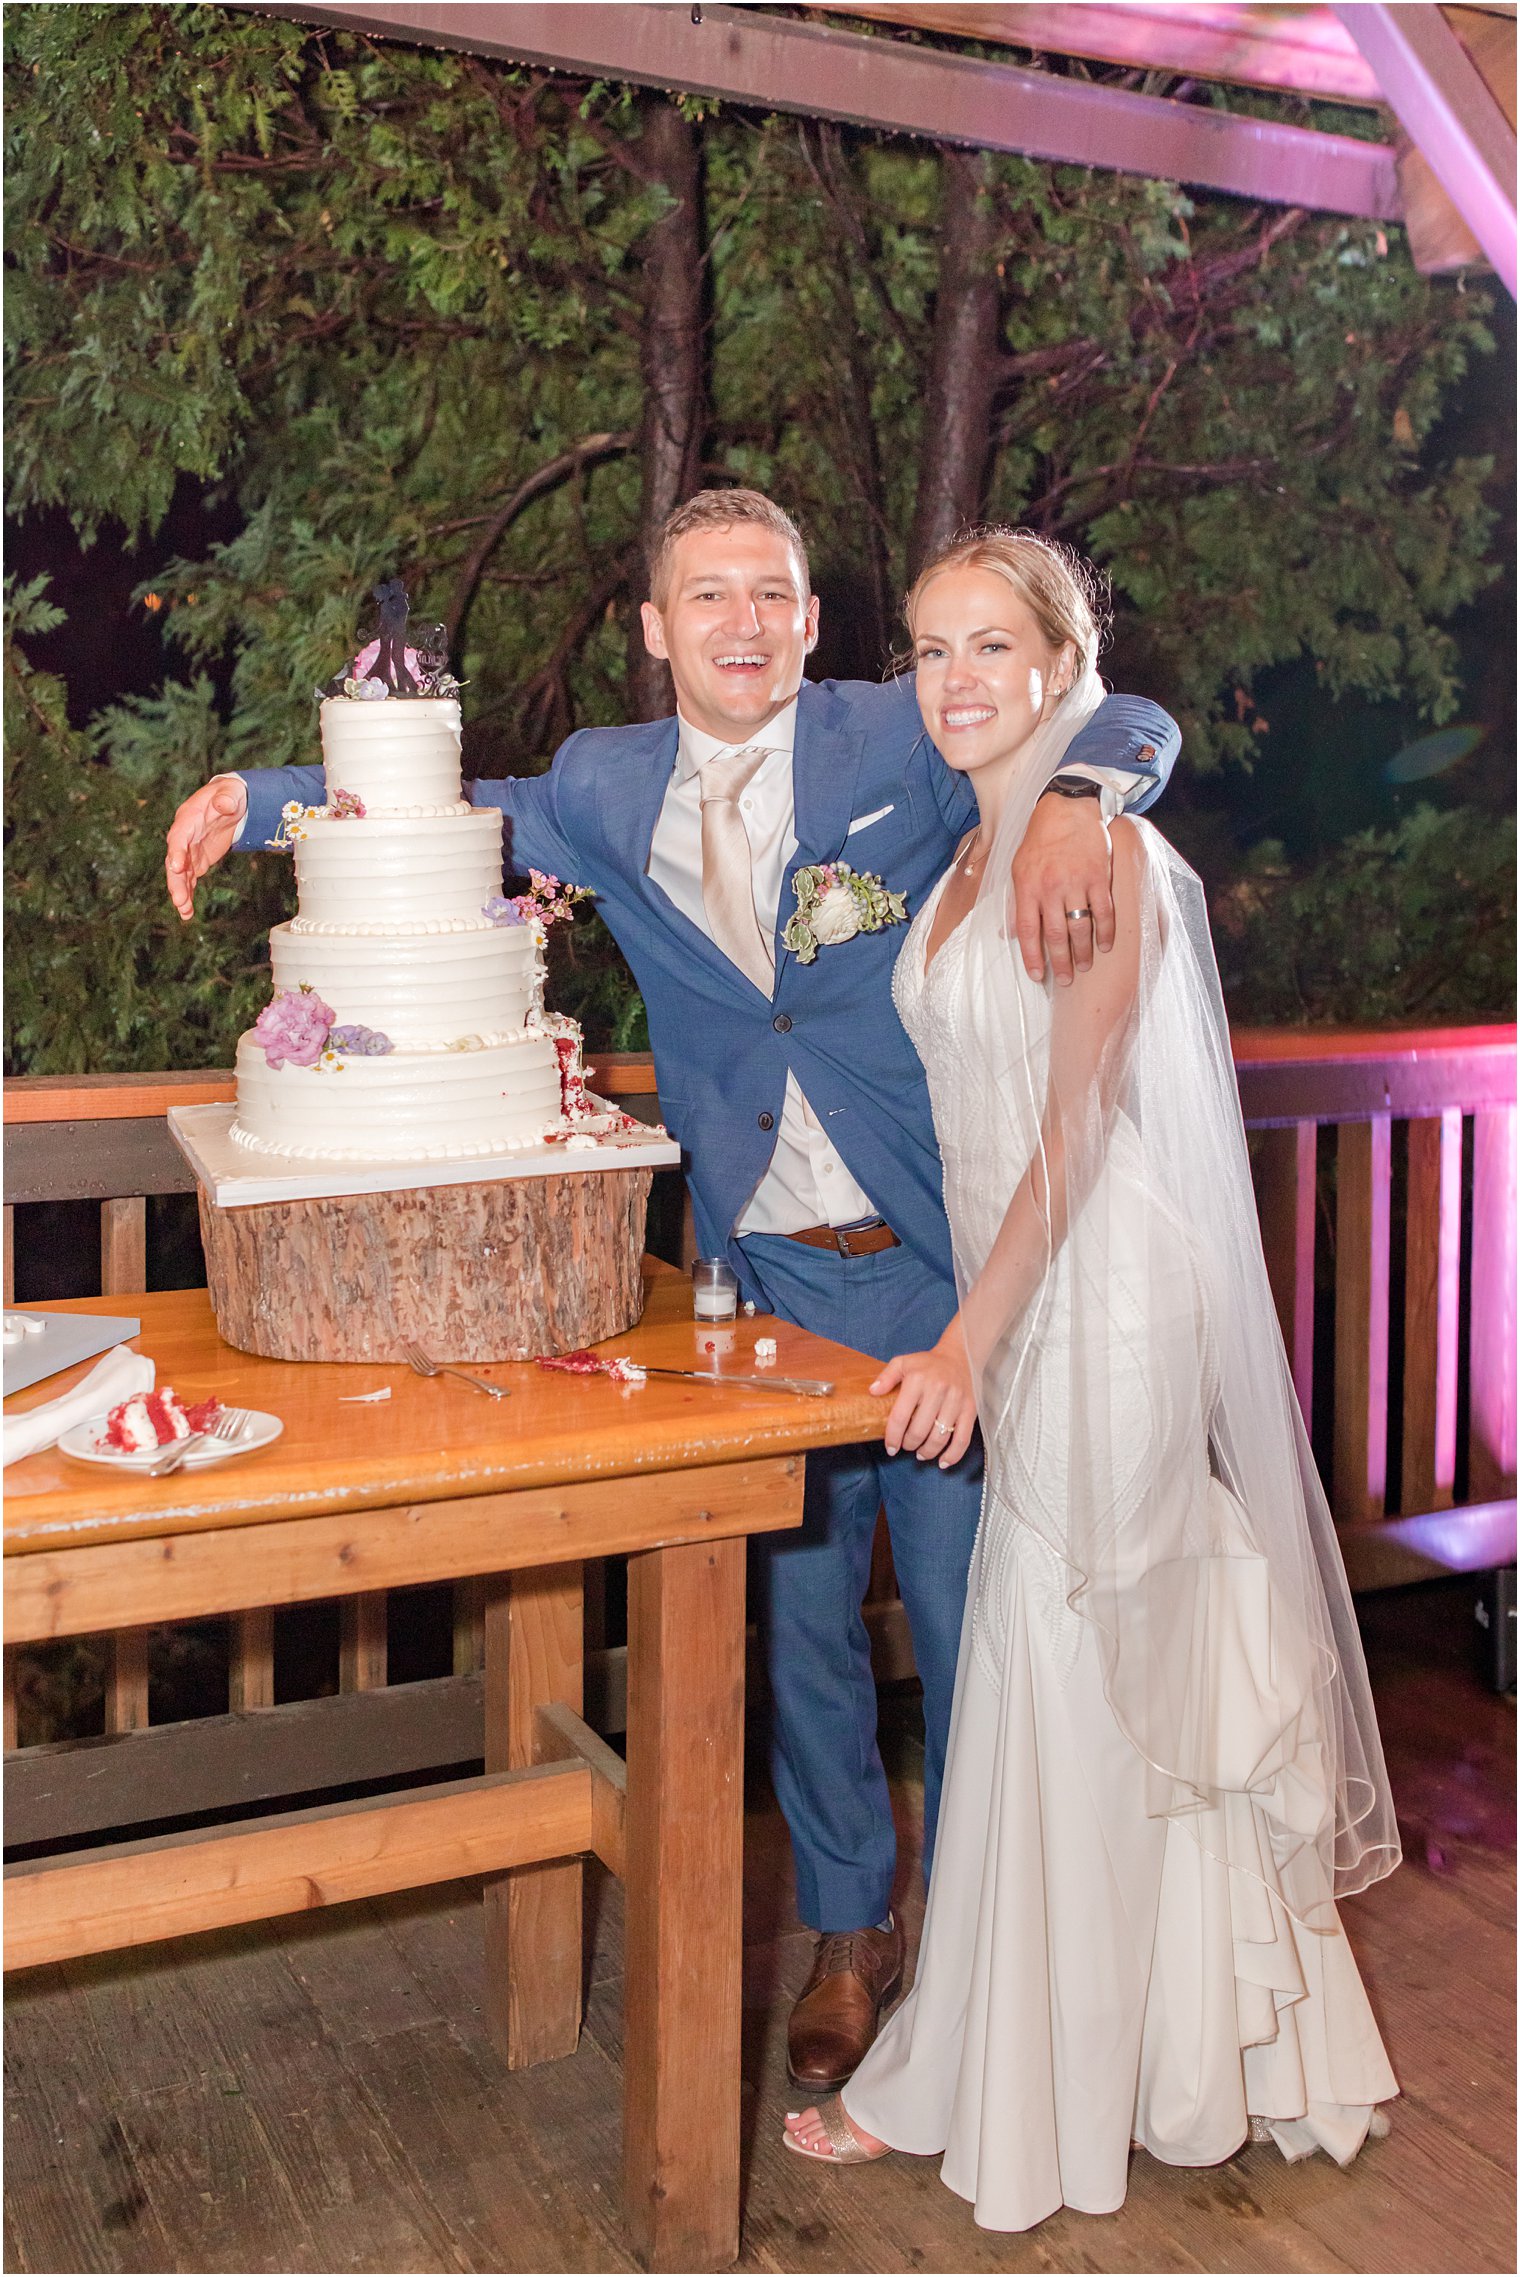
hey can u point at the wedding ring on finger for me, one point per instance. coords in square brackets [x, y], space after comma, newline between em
[1075, 916]
[947, 1428]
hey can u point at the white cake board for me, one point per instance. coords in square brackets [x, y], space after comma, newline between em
[236, 1178]
[66, 1338]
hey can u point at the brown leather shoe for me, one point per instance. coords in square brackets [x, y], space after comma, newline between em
[855, 1973]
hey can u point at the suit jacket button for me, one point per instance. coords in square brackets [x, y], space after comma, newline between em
[766, 1122]
[782, 1023]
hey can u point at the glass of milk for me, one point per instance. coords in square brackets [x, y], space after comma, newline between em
[714, 1289]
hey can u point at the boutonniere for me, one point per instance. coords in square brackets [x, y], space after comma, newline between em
[834, 903]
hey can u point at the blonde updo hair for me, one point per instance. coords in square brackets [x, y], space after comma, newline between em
[1066, 596]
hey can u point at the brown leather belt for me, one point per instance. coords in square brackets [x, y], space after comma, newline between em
[849, 1240]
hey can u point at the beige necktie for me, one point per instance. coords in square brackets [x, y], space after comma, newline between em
[728, 888]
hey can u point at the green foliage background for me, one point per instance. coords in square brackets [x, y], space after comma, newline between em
[367, 291]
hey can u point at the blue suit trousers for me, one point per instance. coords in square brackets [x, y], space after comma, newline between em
[810, 1585]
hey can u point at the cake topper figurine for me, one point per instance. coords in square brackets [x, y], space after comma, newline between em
[390, 664]
[430, 646]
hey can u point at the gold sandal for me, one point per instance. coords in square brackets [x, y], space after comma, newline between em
[845, 2148]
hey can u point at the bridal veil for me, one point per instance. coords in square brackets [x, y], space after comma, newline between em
[1130, 1259]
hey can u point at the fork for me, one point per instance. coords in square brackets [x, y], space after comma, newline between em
[231, 1425]
[418, 1359]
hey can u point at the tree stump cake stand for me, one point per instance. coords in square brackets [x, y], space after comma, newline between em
[496, 1262]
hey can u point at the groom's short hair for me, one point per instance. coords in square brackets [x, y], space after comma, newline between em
[720, 510]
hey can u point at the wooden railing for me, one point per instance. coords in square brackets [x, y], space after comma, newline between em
[1353, 1136]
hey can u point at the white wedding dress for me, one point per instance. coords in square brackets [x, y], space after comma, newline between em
[1092, 1969]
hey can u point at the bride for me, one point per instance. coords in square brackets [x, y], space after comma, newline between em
[1164, 1766]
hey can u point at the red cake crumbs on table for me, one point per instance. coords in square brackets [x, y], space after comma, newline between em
[575, 1364]
[592, 1364]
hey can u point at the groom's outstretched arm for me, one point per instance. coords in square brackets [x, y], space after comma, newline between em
[243, 810]
[536, 835]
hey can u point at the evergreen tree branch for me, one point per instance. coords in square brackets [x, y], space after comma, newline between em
[584, 453]
[537, 696]
[825, 169]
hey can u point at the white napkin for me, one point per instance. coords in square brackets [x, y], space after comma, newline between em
[114, 1377]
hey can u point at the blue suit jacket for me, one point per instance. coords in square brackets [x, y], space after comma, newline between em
[722, 1049]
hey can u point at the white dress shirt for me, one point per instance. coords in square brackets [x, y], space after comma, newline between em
[806, 1182]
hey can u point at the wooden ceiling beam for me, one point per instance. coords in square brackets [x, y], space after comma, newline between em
[1303, 51]
[1442, 101]
[753, 56]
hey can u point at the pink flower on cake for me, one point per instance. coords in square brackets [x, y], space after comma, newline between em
[293, 1026]
[546, 900]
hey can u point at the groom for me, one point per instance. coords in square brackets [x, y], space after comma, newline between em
[801, 1107]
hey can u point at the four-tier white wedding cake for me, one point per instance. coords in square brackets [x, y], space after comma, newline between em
[407, 1021]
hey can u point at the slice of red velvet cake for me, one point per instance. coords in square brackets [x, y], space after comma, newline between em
[156, 1419]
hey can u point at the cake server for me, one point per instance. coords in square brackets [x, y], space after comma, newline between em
[808, 1386]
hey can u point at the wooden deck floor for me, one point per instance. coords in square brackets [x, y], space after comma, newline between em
[321, 2096]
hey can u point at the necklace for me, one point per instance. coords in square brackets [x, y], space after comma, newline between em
[969, 868]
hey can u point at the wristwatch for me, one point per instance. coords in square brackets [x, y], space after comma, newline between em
[1074, 787]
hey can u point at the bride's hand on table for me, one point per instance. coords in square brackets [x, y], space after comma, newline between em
[934, 1413]
[200, 834]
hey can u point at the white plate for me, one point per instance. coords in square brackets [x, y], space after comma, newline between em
[86, 1442]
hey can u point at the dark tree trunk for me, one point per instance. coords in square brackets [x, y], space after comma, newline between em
[674, 397]
[964, 368]
[851, 256]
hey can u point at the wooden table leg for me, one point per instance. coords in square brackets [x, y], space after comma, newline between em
[683, 1899]
[534, 1656]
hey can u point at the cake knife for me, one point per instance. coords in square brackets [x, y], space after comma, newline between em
[808, 1386]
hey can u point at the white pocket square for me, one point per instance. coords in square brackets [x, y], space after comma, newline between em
[865, 821]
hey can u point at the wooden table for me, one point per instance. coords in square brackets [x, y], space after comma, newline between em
[438, 1484]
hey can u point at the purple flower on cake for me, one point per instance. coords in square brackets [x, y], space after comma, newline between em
[294, 1026]
[501, 911]
[363, 1043]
